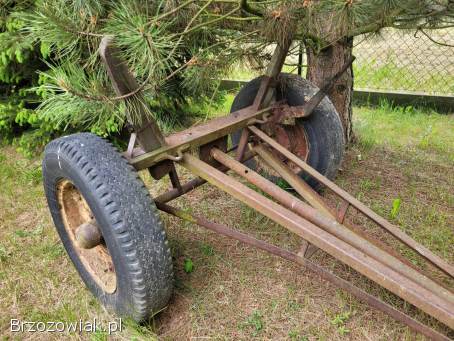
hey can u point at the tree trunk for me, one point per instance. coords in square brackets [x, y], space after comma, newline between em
[323, 66]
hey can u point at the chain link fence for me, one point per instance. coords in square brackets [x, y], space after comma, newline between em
[395, 63]
[403, 61]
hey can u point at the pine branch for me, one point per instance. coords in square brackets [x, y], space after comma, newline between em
[176, 49]
[249, 9]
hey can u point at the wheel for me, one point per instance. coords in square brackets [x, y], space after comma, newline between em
[87, 181]
[318, 139]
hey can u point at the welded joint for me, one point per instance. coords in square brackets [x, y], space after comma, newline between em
[342, 212]
[307, 249]
[264, 120]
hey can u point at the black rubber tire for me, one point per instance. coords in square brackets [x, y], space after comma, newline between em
[128, 219]
[323, 128]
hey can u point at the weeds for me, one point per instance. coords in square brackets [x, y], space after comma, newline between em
[405, 128]
[207, 250]
[254, 322]
[296, 336]
[188, 265]
[339, 322]
[395, 209]
[3, 254]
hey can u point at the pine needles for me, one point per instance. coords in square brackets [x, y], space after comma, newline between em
[178, 49]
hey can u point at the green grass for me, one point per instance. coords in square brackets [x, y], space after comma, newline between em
[233, 292]
[406, 127]
[390, 76]
[415, 167]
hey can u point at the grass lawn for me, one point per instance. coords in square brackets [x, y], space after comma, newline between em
[236, 292]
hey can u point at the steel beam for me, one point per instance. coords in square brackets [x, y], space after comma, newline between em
[415, 294]
[394, 230]
[314, 199]
[124, 84]
[193, 184]
[198, 136]
[331, 225]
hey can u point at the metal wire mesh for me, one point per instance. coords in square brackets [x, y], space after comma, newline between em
[402, 61]
[393, 60]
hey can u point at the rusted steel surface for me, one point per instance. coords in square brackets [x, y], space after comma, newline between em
[287, 114]
[146, 130]
[204, 151]
[198, 136]
[307, 108]
[342, 212]
[331, 225]
[124, 83]
[175, 193]
[293, 137]
[267, 89]
[307, 250]
[394, 230]
[316, 201]
[88, 235]
[221, 127]
[242, 145]
[76, 213]
[174, 179]
[317, 225]
[434, 305]
[323, 273]
[193, 184]
[277, 60]
[263, 94]
[300, 186]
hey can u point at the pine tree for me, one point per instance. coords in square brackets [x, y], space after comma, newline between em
[179, 49]
[19, 60]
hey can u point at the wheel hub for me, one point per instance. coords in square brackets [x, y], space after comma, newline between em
[293, 138]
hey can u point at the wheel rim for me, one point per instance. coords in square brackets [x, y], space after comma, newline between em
[293, 138]
[75, 212]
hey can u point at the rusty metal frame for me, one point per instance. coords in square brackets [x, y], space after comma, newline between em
[223, 126]
[315, 222]
[323, 220]
[414, 293]
[198, 136]
[394, 230]
[315, 200]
